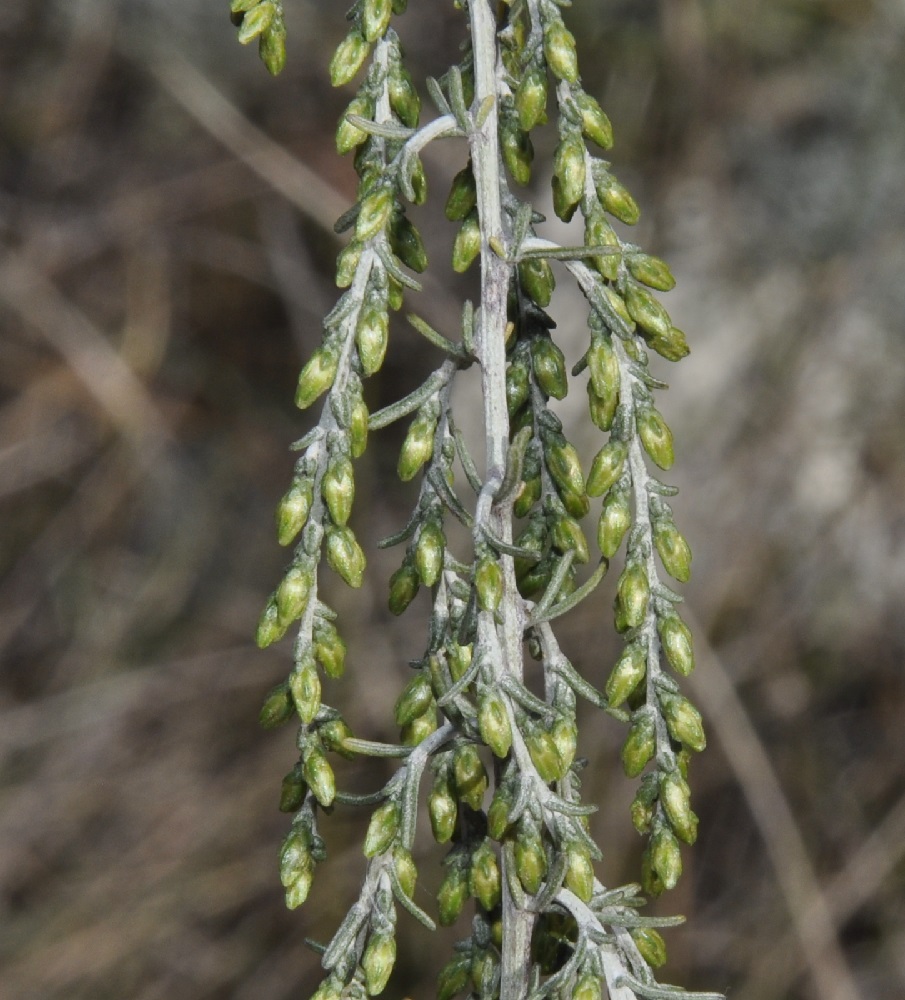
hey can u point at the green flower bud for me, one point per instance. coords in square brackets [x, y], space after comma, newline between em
[488, 581]
[418, 180]
[646, 311]
[601, 410]
[518, 386]
[454, 977]
[615, 520]
[256, 21]
[404, 99]
[297, 891]
[599, 233]
[684, 723]
[651, 271]
[407, 244]
[616, 199]
[517, 150]
[594, 123]
[549, 364]
[292, 791]
[676, 798]
[333, 735]
[319, 776]
[330, 651]
[467, 244]
[639, 746]
[374, 214]
[329, 989]
[418, 445]
[536, 278]
[544, 755]
[493, 722]
[564, 466]
[559, 49]
[565, 736]
[316, 377]
[349, 136]
[382, 829]
[459, 660]
[272, 47]
[292, 595]
[567, 536]
[603, 365]
[347, 264]
[380, 955]
[277, 708]
[371, 338]
[406, 871]
[650, 943]
[676, 641]
[306, 690]
[295, 854]
[292, 512]
[530, 859]
[484, 881]
[484, 969]
[270, 628]
[463, 195]
[527, 497]
[416, 698]
[419, 729]
[665, 857]
[358, 429]
[241, 6]
[569, 170]
[563, 206]
[533, 538]
[673, 346]
[395, 294]
[626, 675]
[344, 555]
[531, 99]
[633, 594]
[470, 776]
[452, 895]
[642, 808]
[617, 304]
[348, 58]
[607, 467]
[498, 813]
[588, 987]
[338, 488]
[375, 19]
[403, 588]
[656, 437]
[442, 809]
[580, 871]
[429, 552]
[674, 551]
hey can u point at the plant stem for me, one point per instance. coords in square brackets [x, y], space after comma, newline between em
[491, 349]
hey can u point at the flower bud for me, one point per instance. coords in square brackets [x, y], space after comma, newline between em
[569, 171]
[407, 244]
[429, 552]
[256, 21]
[319, 776]
[587, 987]
[381, 829]
[329, 989]
[642, 812]
[452, 894]
[371, 338]
[675, 638]
[374, 214]
[530, 859]
[517, 150]
[333, 735]
[418, 445]
[580, 871]
[347, 264]
[639, 746]
[616, 302]
[416, 698]
[545, 755]
[498, 813]
[442, 809]
[488, 581]
[684, 723]
[603, 365]
[463, 196]
[602, 411]
[270, 629]
[531, 99]
[536, 278]
[292, 791]
[528, 495]
[607, 467]
[348, 136]
[459, 659]
[348, 58]
[565, 736]
[292, 512]
[404, 99]
[599, 233]
[454, 977]
[676, 798]
[633, 594]
[484, 881]
[380, 955]
[549, 364]
[375, 19]
[419, 729]
[518, 387]
[306, 689]
[673, 346]
[470, 776]
[665, 857]
[406, 871]
[564, 466]
[272, 47]
[567, 536]
[650, 943]
[616, 200]
[646, 311]
[338, 489]
[403, 588]
[673, 549]
[292, 595]
[330, 651]
[615, 520]
[626, 675]
[559, 49]
[651, 271]
[358, 428]
[297, 891]
[316, 377]
[656, 437]
[467, 244]
[344, 555]
[493, 722]
[594, 123]
[277, 708]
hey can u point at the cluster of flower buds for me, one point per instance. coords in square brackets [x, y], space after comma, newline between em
[262, 19]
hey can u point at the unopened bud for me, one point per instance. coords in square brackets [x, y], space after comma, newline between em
[256, 21]
[403, 588]
[330, 651]
[429, 552]
[650, 943]
[375, 18]
[344, 555]
[454, 977]
[651, 271]
[306, 690]
[338, 489]
[277, 708]
[348, 136]
[607, 467]
[665, 857]
[549, 364]
[536, 278]
[599, 233]
[530, 859]
[564, 466]
[292, 512]
[580, 871]
[470, 776]
[416, 698]
[484, 880]
[270, 629]
[467, 244]
[567, 536]
[406, 871]
[673, 549]
[442, 810]
[594, 122]
[371, 338]
[373, 215]
[452, 894]
[559, 49]
[407, 244]
[292, 791]
[545, 755]
[381, 829]
[348, 58]
[488, 581]
[404, 99]
[587, 987]
[646, 311]
[517, 150]
[616, 200]
[673, 346]
[615, 520]
[493, 722]
[684, 722]
[531, 99]
[569, 171]
[498, 813]
[463, 196]
[633, 594]
[380, 955]
[675, 638]
[297, 891]
[358, 429]
[639, 746]
[417, 447]
[319, 776]
[626, 675]
[676, 798]
[316, 377]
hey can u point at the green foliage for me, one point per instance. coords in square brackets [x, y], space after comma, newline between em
[467, 693]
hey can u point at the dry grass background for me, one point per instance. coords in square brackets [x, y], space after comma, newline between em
[162, 271]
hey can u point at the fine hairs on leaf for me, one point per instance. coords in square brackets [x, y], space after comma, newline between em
[494, 763]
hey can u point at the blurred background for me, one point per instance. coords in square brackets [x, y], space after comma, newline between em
[166, 220]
